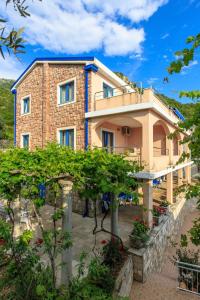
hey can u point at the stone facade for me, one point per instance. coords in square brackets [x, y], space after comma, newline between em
[46, 115]
[151, 258]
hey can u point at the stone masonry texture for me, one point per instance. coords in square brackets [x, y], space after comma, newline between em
[46, 116]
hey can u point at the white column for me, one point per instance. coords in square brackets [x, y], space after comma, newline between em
[114, 217]
[188, 174]
[180, 177]
[148, 202]
[170, 188]
[66, 268]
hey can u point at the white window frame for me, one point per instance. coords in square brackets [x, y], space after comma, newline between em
[58, 91]
[21, 142]
[108, 130]
[66, 128]
[22, 105]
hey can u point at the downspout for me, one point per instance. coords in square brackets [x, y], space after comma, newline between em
[14, 92]
[86, 109]
[87, 69]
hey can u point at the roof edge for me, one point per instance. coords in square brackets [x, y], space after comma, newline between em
[43, 59]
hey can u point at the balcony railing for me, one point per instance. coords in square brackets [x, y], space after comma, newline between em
[124, 89]
[160, 151]
[188, 277]
[125, 95]
[131, 153]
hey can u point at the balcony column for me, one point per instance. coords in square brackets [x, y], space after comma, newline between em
[148, 202]
[188, 174]
[171, 150]
[147, 142]
[170, 188]
[180, 177]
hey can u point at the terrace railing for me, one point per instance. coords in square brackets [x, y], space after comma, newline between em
[188, 277]
[132, 153]
[160, 151]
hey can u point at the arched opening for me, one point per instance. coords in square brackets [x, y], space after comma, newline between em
[120, 134]
[160, 132]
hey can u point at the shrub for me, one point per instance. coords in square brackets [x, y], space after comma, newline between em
[112, 253]
[100, 276]
[139, 235]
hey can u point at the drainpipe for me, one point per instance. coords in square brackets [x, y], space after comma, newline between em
[14, 92]
[87, 69]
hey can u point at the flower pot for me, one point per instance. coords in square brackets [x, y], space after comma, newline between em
[157, 220]
[138, 242]
[182, 285]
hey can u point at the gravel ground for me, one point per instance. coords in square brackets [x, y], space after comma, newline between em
[162, 286]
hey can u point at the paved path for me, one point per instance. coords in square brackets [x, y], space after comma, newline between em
[162, 286]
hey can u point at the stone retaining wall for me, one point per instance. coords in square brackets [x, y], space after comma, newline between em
[151, 258]
[124, 281]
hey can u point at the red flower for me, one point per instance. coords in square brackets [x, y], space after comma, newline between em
[2, 242]
[136, 219]
[103, 242]
[39, 241]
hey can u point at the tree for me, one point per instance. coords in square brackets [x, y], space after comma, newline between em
[12, 41]
[192, 123]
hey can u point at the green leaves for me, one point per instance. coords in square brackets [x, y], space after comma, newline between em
[190, 94]
[58, 214]
[185, 56]
[194, 232]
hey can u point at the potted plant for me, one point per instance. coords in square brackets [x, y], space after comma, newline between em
[158, 213]
[139, 235]
[164, 205]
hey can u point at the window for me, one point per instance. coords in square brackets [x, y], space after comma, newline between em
[108, 140]
[25, 141]
[26, 105]
[67, 92]
[107, 91]
[67, 137]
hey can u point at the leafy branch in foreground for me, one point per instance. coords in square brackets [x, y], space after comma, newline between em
[11, 40]
[186, 55]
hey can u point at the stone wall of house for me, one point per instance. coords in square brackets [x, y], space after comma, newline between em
[31, 123]
[46, 116]
[152, 257]
[124, 281]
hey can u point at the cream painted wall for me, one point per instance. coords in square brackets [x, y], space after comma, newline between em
[148, 130]
[97, 81]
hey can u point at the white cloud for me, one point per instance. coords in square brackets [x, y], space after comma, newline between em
[185, 69]
[152, 80]
[79, 26]
[165, 36]
[10, 67]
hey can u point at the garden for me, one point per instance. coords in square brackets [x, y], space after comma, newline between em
[30, 260]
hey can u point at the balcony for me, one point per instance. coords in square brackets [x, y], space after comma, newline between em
[125, 96]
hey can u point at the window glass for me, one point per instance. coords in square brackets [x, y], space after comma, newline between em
[26, 105]
[67, 92]
[107, 91]
[67, 137]
[26, 141]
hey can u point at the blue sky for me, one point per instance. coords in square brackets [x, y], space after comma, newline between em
[136, 37]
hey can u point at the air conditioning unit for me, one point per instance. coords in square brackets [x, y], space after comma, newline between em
[126, 130]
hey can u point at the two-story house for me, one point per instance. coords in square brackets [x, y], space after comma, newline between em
[79, 102]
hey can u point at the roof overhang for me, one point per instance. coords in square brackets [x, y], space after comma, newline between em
[154, 175]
